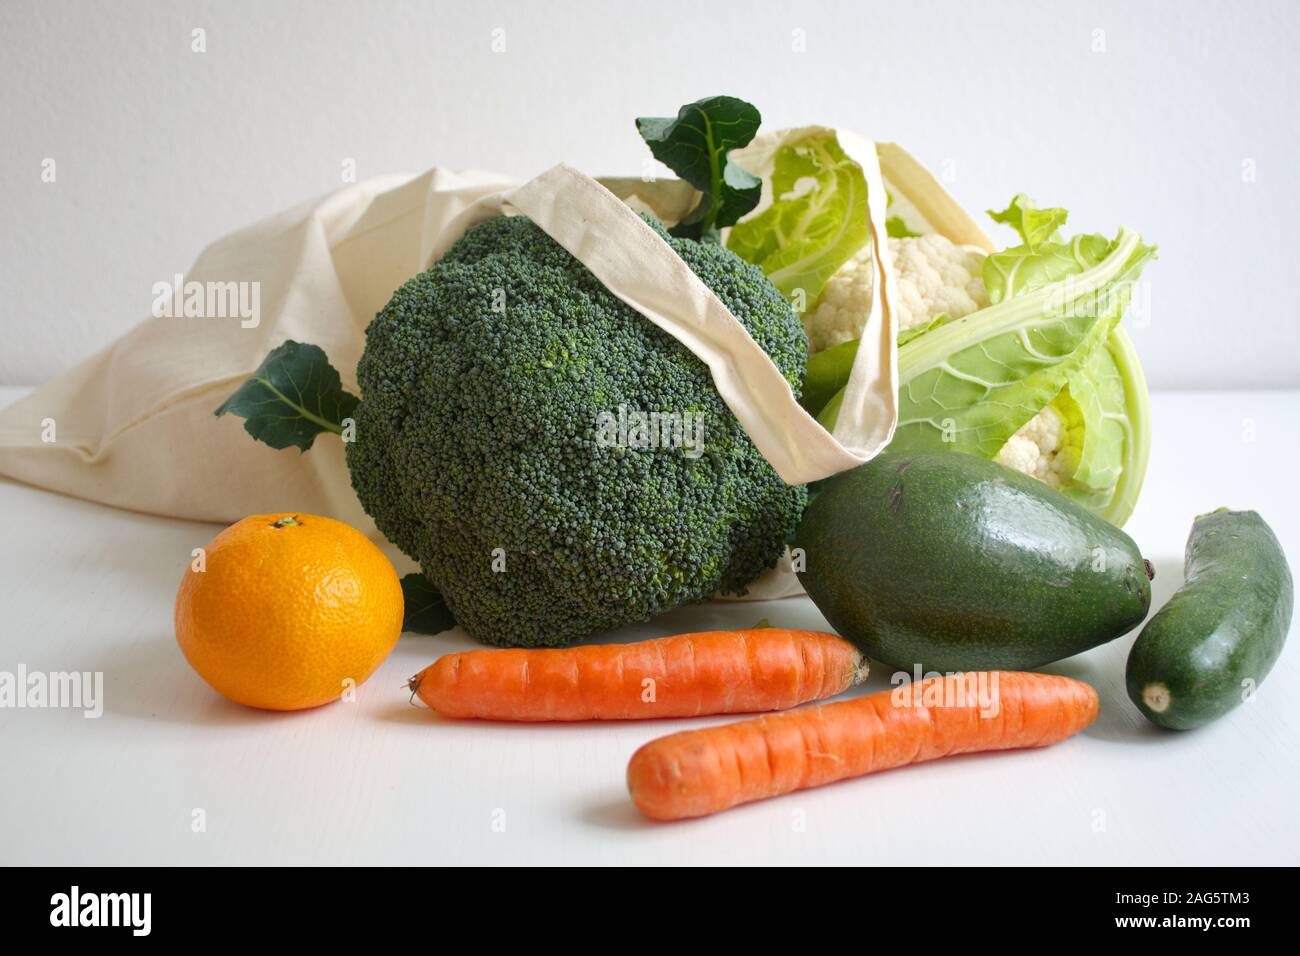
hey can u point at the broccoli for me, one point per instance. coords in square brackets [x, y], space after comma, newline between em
[477, 452]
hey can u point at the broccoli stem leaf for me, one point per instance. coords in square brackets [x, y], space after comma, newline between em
[426, 611]
[694, 145]
[293, 396]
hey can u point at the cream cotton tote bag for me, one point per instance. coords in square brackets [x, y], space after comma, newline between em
[133, 425]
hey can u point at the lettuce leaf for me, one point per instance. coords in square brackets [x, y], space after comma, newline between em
[817, 220]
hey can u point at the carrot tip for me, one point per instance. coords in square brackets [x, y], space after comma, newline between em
[861, 671]
[413, 685]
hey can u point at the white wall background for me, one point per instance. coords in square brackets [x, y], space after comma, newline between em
[160, 149]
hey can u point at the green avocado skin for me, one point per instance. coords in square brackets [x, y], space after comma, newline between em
[952, 563]
[1219, 635]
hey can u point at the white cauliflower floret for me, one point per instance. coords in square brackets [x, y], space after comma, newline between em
[1039, 448]
[934, 274]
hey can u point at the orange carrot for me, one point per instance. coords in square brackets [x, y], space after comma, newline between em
[699, 772]
[711, 672]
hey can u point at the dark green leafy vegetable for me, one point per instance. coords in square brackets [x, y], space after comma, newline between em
[293, 396]
[426, 611]
[694, 145]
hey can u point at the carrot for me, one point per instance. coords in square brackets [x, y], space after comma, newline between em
[711, 672]
[699, 772]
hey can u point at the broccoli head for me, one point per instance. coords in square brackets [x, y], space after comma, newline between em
[487, 446]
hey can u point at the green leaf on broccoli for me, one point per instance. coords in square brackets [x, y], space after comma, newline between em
[694, 145]
[293, 396]
[426, 611]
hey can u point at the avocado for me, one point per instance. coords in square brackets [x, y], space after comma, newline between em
[950, 562]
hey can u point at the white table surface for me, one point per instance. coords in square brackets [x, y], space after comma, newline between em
[90, 588]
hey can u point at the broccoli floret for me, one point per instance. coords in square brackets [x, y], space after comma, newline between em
[481, 386]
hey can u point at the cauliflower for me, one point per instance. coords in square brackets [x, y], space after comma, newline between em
[1039, 449]
[934, 275]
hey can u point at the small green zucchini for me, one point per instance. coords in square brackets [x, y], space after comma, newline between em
[1216, 639]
